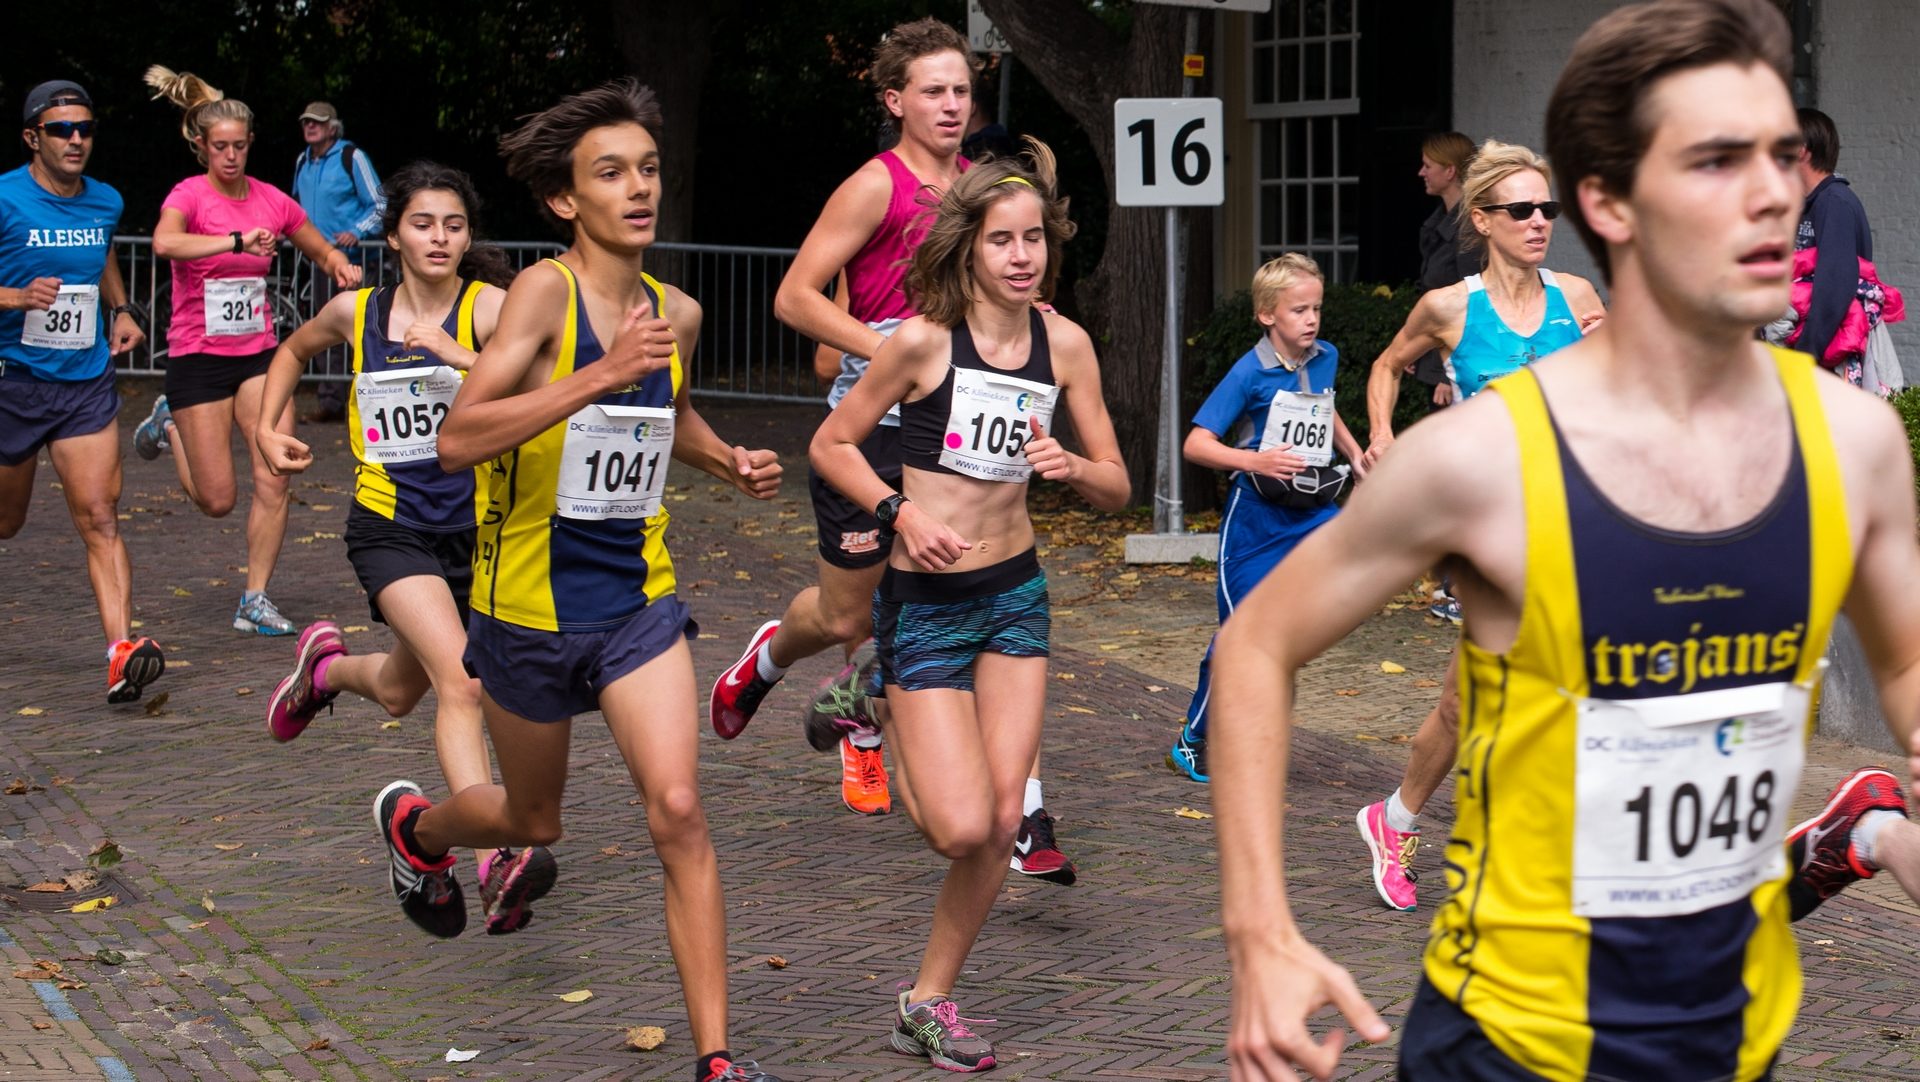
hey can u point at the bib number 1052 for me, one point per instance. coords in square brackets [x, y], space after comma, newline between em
[1676, 821]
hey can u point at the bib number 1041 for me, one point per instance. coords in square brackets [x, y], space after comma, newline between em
[618, 472]
[1687, 816]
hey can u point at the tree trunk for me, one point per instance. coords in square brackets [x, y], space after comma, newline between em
[1085, 66]
[666, 46]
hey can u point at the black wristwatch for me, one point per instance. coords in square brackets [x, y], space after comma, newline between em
[239, 242]
[889, 510]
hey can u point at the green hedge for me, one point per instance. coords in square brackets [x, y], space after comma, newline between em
[1908, 403]
[1360, 319]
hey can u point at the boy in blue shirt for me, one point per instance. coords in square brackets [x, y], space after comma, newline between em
[63, 314]
[1272, 422]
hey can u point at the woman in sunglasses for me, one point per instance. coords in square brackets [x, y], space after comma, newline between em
[221, 230]
[1511, 314]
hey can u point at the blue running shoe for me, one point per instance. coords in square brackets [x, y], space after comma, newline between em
[151, 437]
[1189, 757]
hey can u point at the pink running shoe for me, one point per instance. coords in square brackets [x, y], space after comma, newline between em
[295, 699]
[738, 691]
[1392, 856]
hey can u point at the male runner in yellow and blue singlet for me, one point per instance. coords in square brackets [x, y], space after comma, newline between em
[1653, 531]
[579, 401]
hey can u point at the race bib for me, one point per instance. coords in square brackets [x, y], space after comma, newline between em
[401, 411]
[990, 421]
[1303, 420]
[1682, 801]
[235, 306]
[614, 462]
[73, 322]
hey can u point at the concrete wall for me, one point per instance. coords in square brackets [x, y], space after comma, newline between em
[1863, 77]
[1506, 57]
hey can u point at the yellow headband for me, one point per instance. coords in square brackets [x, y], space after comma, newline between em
[1011, 180]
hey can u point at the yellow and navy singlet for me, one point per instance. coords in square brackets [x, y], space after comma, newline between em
[539, 569]
[1616, 901]
[393, 421]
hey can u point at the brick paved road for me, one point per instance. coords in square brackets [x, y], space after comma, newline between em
[259, 941]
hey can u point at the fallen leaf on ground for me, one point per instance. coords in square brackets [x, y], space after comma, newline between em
[1392, 669]
[1155, 688]
[350, 628]
[21, 786]
[1109, 646]
[645, 1038]
[107, 956]
[197, 925]
[743, 576]
[182, 592]
[43, 1025]
[1190, 813]
[390, 725]
[776, 961]
[92, 904]
[47, 888]
[1063, 676]
[104, 855]
[1423, 682]
[31, 711]
[82, 880]
[456, 1055]
[1365, 736]
[613, 850]
[58, 779]
[1347, 691]
[1079, 709]
[580, 996]
[226, 847]
[70, 986]
[243, 691]
[320, 1045]
[206, 903]
[155, 704]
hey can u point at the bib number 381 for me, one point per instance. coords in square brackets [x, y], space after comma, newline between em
[1678, 813]
[990, 423]
[72, 322]
[614, 462]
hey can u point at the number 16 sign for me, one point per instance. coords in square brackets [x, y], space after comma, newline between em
[1168, 152]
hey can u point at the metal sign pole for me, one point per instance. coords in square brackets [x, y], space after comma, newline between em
[1170, 510]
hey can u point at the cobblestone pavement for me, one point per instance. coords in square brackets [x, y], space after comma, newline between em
[253, 935]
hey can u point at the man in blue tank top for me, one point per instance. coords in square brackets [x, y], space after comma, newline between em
[63, 315]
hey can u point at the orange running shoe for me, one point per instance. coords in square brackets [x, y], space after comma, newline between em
[135, 664]
[863, 779]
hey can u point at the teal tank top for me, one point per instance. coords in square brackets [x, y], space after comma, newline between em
[1490, 349]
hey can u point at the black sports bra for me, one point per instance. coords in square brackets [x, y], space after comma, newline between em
[928, 425]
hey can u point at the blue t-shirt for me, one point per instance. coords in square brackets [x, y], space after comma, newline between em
[43, 235]
[1236, 411]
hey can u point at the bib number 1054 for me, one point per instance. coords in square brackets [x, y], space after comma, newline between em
[998, 436]
[1675, 822]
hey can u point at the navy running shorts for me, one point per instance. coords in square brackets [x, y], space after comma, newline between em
[35, 412]
[194, 379]
[850, 536]
[554, 675]
[930, 626]
[383, 552]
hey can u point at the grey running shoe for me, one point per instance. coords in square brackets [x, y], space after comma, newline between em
[257, 614]
[151, 437]
[843, 705]
[934, 1029]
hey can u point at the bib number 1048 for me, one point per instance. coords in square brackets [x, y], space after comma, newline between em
[1739, 809]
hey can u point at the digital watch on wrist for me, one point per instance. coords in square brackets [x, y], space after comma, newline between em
[889, 510]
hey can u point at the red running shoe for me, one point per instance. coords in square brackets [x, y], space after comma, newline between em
[135, 664]
[1821, 849]
[1035, 852]
[737, 694]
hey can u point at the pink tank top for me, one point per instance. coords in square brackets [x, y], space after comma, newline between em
[876, 275]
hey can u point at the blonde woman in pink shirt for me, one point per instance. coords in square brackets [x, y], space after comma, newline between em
[220, 231]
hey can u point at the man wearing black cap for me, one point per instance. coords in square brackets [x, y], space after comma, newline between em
[337, 187]
[63, 314]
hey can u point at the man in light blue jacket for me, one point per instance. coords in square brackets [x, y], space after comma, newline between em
[335, 183]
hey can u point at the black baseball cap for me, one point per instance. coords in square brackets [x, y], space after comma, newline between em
[51, 93]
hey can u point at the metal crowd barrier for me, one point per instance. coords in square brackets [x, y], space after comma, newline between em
[743, 351]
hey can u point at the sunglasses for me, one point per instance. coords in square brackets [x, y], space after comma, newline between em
[1520, 212]
[69, 129]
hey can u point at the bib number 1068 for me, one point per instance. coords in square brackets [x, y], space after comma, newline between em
[616, 472]
[1689, 821]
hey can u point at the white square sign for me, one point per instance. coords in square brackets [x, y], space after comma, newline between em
[1168, 152]
[982, 34]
